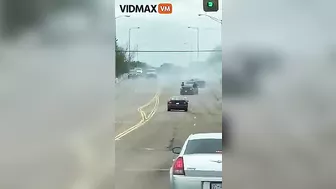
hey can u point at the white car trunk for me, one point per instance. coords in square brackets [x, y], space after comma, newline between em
[203, 165]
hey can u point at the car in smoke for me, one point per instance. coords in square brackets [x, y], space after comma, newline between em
[151, 73]
[200, 83]
[188, 89]
[133, 74]
[178, 103]
[198, 163]
[138, 71]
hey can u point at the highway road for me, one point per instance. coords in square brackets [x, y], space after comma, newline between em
[143, 156]
[274, 146]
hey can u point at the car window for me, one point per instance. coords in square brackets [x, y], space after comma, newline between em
[204, 146]
[186, 86]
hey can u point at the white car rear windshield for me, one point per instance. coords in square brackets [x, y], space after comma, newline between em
[204, 146]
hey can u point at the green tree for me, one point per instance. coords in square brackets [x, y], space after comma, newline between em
[138, 64]
[122, 65]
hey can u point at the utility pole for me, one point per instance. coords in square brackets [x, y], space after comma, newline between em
[129, 42]
[137, 53]
[197, 39]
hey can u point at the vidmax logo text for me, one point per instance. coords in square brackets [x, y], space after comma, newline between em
[162, 8]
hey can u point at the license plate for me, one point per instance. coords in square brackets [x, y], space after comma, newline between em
[215, 185]
[177, 103]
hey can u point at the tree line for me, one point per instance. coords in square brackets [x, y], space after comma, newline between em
[123, 62]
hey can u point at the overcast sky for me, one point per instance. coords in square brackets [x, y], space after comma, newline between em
[169, 32]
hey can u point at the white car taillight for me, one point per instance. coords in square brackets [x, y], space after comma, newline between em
[178, 167]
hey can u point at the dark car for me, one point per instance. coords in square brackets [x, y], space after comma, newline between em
[151, 74]
[177, 103]
[200, 83]
[133, 76]
[188, 89]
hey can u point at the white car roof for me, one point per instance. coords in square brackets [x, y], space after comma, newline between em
[205, 136]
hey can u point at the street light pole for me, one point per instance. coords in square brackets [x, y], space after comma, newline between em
[197, 29]
[137, 53]
[212, 18]
[198, 44]
[186, 43]
[122, 16]
[129, 42]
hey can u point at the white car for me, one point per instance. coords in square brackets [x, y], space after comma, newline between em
[138, 70]
[199, 163]
[151, 73]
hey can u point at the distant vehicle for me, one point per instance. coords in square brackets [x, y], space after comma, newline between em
[192, 82]
[138, 70]
[133, 74]
[188, 89]
[200, 83]
[198, 164]
[151, 73]
[178, 103]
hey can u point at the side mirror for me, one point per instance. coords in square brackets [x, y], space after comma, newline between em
[176, 150]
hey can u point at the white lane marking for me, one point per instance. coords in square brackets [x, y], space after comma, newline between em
[150, 149]
[194, 124]
[195, 117]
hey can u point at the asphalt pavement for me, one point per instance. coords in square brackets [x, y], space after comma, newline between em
[130, 95]
[269, 151]
[143, 156]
